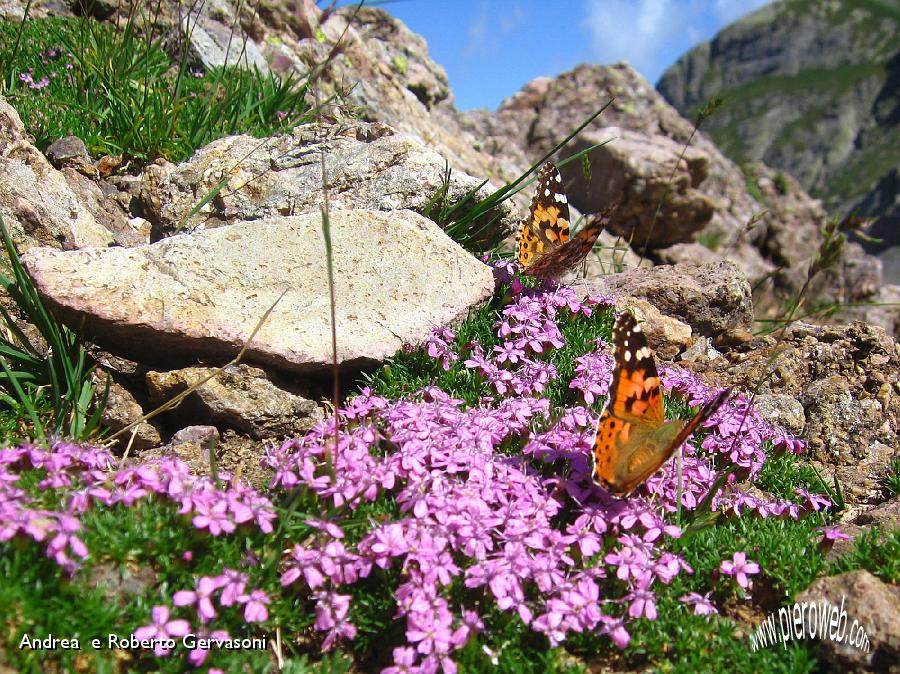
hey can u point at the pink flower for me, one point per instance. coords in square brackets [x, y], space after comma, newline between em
[255, 610]
[232, 583]
[162, 628]
[202, 597]
[198, 656]
[404, 662]
[833, 534]
[740, 568]
[702, 604]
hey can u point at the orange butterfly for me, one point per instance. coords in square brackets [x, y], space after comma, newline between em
[633, 437]
[543, 246]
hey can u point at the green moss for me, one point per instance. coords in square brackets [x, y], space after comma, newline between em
[751, 184]
[781, 183]
[711, 240]
[400, 64]
[832, 81]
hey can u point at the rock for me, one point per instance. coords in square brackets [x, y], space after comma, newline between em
[886, 515]
[534, 118]
[391, 42]
[240, 397]
[70, 151]
[881, 309]
[700, 348]
[121, 584]
[201, 295]
[688, 253]
[848, 380]
[243, 457]
[394, 79]
[869, 604]
[612, 255]
[837, 422]
[212, 44]
[369, 166]
[860, 479]
[760, 219]
[100, 200]
[98, 9]
[659, 203]
[198, 435]
[732, 339]
[792, 238]
[861, 518]
[192, 445]
[709, 298]
[122, 410]
[37, 205]
[782, 411]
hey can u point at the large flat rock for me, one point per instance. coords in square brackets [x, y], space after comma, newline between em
[200, 295]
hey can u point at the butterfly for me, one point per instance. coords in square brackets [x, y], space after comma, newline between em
[543, 246]
[633, 437]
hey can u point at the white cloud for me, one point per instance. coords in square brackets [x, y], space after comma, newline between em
[650, 34]
[476, 31]
[479, 42]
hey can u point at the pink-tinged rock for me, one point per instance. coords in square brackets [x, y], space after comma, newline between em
[201, 295]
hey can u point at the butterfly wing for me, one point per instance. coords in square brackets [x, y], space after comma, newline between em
[647, 451]
[624, 451]
[569, 255]
[634, 393]
[633, 439]
[547, 225]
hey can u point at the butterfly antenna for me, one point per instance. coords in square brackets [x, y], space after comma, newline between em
[711, 407]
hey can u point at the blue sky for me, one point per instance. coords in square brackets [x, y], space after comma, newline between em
[491, 48]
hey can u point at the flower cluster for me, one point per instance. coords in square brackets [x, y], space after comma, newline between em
[231, 586]
[552, 548]
[83, 476]
[593, 374]
[494, 509]
[438, 346]
[48, 58]
[528, 329]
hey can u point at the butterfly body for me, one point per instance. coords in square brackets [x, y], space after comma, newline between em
[543, 245]
[633, 437]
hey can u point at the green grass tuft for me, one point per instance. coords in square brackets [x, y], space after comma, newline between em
[120, 92]
[877, 551]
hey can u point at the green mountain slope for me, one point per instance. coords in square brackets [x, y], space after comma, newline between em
[812, 87]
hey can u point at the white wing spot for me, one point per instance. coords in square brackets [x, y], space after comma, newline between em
[627, 356]
[643, 352]
[561, 198]
[547, 192]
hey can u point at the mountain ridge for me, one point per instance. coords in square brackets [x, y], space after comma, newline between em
[810, 88]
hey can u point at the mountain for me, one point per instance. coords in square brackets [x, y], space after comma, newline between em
[812, 88]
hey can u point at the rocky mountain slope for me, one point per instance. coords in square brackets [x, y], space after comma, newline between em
[811, 88]
[169, 284]
[681, 199]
